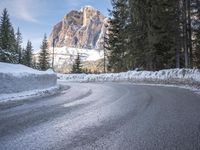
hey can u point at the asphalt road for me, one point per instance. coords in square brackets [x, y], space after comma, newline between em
[106, 116]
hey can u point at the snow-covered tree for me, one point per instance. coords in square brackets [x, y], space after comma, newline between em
[117, 35]
[27, 54]
[44, 56]
[18, 45]
[77, 66]
[8, 51]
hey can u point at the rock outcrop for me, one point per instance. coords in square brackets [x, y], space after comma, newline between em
[80, 29]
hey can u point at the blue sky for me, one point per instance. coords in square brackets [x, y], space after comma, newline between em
[36, 17]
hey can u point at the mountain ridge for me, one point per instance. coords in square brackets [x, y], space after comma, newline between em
[80, 29]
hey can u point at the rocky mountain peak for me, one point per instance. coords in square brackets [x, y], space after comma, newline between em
[80, 29]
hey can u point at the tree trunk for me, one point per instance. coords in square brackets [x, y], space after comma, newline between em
[185, 34]
[189, 29]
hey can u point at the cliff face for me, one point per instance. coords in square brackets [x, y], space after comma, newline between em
[80, 29]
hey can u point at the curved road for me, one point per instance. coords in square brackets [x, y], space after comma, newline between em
[106, 116]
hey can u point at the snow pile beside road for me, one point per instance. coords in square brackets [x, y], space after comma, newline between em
[171, 76]
[15, 78]
[38, 93]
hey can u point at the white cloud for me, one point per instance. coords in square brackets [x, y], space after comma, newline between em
[31, 10]
[24, 10]
[77, 3]
[20, 9]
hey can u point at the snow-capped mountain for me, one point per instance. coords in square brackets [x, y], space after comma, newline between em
[80, 29]
[79, 32]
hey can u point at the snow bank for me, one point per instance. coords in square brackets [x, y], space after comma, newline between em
[38, 93]
[15, 78]
[171, 76]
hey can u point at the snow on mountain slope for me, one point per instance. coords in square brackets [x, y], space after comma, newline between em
[64, 57]
[86, 54]
[15, 78]
[80, 31]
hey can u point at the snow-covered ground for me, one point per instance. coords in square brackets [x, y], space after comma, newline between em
[178, 77]
[65, 55]
[171, 75]
[18, 82]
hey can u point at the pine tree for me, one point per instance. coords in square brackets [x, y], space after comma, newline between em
[23, 55]
[27, 54]
[197, 49]
[77, 66]
[117, 36]
[162, 30]
[139, 54]
[44, 56]
[153, 36]
[5, 28]
[197, 36]
[13, 47]
[34, 62]
[7, 40]
[18, 45]
[105, 47]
